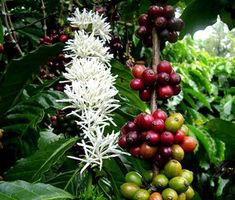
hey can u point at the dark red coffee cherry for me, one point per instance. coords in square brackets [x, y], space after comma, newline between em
[152, 138]
[130, 126]
[135, 151]
[141, 32]
[63, 38]
[160, 23]
[164, 66]
[176, 89]
[163, 78]
[167, 138]
[143, 20]
[158, 125]
[145, 94]
[155, 11]
[175, 24]
[165, 92]
[160, 160]
[149, 77]
[122, 142]
[137, 84]
[168, 11]
[1, 48]
[175, 78]
[132, 138]
[160, 114]
[179, 137]
[165, 151]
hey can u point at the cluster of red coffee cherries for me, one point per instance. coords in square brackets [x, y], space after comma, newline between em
[62, 123]
[163, 20]
[56, 66]
[157, 137]
[55, 36]
[116, 47]
[166, 81]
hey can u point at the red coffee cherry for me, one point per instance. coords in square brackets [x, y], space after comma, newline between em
[167, 138]
[164, 66]
[149, 77]
[137, 84]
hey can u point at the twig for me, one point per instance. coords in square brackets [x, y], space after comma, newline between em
[10, 27]
[155, 62]
[34, 22]
[44, 18]
[61, 8]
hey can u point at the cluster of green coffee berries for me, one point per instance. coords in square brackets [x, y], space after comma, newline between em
[172, 183]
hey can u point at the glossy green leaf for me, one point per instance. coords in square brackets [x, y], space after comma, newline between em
[32, 168]
[200, 96]
[116, 174]
[207, 142]
[21, 190]
[224, 131]
[198, 14]
[20, 71]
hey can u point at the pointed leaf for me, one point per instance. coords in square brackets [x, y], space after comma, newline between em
[32, 168]
[207, 141]
[194, 21]
[224, 131]
[200, 96]
[21, 190]
[20, 71]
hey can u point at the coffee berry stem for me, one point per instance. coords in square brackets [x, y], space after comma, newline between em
[155, 62]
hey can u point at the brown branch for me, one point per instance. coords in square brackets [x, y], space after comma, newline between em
[155, 62]
[44, 16]
[10, 27]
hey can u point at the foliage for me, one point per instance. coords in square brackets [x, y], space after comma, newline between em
[24, 190]
[32, 152]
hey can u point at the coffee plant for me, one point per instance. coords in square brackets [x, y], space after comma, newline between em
[105, 100]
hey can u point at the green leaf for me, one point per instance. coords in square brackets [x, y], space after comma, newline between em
[200, 96]
[46, 138]
[197, 117]
[21, 125]
[116, 173]
[198, 14]
[20, 71]
[207, 141]
[32, 168]
[224, 131]
[49, 99]
[21, 190]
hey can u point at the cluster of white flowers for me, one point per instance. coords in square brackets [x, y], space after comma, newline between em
[91, 90]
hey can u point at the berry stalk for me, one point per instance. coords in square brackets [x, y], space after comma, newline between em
[155, 62]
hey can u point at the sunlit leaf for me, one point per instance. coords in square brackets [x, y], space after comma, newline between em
[21, 190]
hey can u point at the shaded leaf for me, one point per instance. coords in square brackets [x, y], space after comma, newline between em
[116, 174]
[207, 142]
[194, 21]
[224, 131]
[200, 96]
[19, 72]
[32, 168]
[21, 190]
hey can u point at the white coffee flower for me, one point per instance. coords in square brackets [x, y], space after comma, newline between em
[90, 90]
[86, 45]
[91, 22]
[99, 148]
